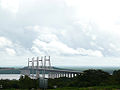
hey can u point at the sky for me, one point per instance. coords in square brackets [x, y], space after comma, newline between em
[72, 32]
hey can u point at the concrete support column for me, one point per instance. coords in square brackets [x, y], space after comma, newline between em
[52, 75]
[70, 75]
[55, 75]
[60, 74]
[65, 74]
[49, 75]
[73, 74]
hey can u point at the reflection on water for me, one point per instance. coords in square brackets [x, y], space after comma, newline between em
[13, 76]
[10, 76]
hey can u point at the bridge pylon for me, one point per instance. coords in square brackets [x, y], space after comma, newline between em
[47, 63]
[39, 66]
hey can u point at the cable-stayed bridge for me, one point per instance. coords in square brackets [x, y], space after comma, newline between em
[43, 66]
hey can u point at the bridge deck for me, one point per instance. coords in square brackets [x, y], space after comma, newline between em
[57, 70]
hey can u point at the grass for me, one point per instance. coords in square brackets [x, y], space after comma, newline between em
[20, 89]
[86, 88]
[91, 88]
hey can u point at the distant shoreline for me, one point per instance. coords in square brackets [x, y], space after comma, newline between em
[14, 70]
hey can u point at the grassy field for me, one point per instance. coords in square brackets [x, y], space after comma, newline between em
[73, 88]
[89, 88]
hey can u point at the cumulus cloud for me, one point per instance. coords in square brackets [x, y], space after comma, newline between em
[59, 28]
[54, 47]
[5, 42]
[48, 43]
[10, 51]
[90, 52]
[10, 5]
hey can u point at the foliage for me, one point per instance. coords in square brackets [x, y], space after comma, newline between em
[27, 82]
[91, 79]
[87, 78]
[24, 83]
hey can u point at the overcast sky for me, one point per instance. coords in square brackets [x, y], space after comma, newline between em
[72, 32]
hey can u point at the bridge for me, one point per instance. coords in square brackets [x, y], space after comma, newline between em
[43, 65]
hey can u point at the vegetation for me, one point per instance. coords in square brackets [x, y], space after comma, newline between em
[88, 88]
[87, 80]
[24, 83]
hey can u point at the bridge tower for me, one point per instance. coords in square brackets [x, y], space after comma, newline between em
[33, 67]
[47, 65]
[39, 66]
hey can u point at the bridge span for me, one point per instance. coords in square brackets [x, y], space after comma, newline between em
[43, 66]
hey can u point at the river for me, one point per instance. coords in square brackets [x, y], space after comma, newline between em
[13, 76]
[10, 76]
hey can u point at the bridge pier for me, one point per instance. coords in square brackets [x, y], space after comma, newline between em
[70, 75]
[73, 75]
[60, 75]
[65, 74]
[57, 75]
[53, 75]
[49, 75]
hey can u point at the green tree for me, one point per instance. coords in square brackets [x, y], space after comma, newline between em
[26, 82]
[116, 76]
[91, 78]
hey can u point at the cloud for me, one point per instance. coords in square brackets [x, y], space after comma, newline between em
[114, 47]
[5, 42]
[54, 47]
[11, 5]
[10, 51]
[50, 44]
[90, 52]
[59, 28]
[107, 18]
[7, 47]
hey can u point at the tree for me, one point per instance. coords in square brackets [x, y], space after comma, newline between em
[91, 78]
[116, 76]
[26, 82]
